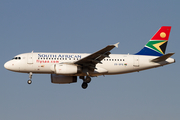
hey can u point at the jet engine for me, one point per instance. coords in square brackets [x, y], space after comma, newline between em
[61, 79]
[65, 69]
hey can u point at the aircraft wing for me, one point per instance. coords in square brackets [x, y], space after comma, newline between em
[91, 60]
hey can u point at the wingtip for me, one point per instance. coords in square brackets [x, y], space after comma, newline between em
[116, 45]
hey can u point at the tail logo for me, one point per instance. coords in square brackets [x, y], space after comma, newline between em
[157, 44]
[163, 35]
[160, 46]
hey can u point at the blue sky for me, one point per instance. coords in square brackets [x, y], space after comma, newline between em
[87, 26]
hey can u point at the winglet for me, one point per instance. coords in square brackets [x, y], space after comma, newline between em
[116, 45]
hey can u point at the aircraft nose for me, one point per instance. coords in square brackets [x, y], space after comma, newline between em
[12, 66]
[6, 65]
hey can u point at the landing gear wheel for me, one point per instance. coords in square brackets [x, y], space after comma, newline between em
[84, 85]
[29, 81]
[88, 79]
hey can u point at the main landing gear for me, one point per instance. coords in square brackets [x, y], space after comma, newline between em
[30, 77]
[85, 81]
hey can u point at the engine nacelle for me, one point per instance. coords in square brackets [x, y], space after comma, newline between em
[61, 79]
[65, 69]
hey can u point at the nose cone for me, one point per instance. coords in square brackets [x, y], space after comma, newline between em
[6, 65]
[9, 65]
[12, 66]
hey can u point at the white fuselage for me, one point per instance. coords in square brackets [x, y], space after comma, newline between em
[115, 64]
[65, 67]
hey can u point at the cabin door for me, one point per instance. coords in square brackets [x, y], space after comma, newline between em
[136, 61]
[30, 58]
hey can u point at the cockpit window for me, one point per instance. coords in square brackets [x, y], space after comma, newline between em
[16, 58]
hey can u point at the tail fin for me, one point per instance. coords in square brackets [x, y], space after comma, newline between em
[157, 44]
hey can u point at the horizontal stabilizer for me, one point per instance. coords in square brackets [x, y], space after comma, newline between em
[162, 58]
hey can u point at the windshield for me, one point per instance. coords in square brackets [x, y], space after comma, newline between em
[16, 58]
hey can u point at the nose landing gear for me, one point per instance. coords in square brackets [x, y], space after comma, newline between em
[30, 77]
[29, 81]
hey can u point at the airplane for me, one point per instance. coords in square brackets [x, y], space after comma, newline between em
[66, 67]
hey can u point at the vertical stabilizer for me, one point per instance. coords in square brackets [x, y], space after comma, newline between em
[157, 44]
